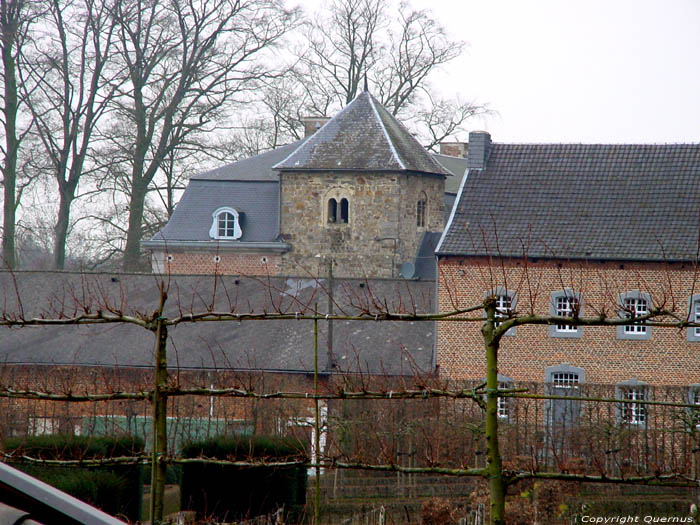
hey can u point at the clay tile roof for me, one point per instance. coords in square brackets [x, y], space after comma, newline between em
[580, 201]
[364, 136]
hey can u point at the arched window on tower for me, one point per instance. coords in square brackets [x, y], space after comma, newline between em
[421, 207]
[332, 211]
[344, 211]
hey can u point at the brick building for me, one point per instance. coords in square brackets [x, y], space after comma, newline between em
[359, 191]
[588, 229]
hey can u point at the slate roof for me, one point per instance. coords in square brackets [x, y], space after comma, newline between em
[455, 165]
[257, 201]
[425, 264]
[397, 348]
[257, 168]
[363, 136]
[624, 202]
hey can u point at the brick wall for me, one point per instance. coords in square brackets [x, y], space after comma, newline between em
[205, 263]
[667, 358]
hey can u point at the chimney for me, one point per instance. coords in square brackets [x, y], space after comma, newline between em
[479, 149]
[454, 149]
[312, 124]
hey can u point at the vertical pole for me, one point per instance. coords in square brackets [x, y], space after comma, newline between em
[160, 437]
[330, 361]
[317, 430]
[494, 467]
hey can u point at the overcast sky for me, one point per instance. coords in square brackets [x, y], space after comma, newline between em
[610, 71]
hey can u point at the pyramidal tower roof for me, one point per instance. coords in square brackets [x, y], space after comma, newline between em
[363, 136]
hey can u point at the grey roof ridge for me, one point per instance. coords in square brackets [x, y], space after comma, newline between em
[312, 138]
[589, 144]
[230, 246]
[386, 133]
[550, 257]
[452, 213]
[54, 498]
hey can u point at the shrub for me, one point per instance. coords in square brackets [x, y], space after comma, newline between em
[227, 492]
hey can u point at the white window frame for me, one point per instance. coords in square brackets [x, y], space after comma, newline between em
[503, 295]
[505, 404]
[694, 317]
[574, 308]
[635, 307]
[214, 230]
[631, 306]
[629, 412]
[567, 377]
[694, 399]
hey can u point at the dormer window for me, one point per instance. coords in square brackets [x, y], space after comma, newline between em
[225, 224]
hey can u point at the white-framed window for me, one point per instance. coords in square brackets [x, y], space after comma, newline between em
[694, 317]
[629, 411]
[694, 399]
[634, 304]
[564, 380]
[636, 307]
[565, 303]
[566, 307]
[505, 304]
[504, 408]
[505, 404]
[225, 224]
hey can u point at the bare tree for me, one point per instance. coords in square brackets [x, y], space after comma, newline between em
[184, 62]
[354, 40]
[69, 65]
[16, 16]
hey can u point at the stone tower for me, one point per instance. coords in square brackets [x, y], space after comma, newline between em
[358, 194]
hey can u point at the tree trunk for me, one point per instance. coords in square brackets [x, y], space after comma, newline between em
[132, 253]
[61, 228]
[160, 431]
[9, 168]
[497, 485]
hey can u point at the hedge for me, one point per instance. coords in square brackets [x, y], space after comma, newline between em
[227, 492]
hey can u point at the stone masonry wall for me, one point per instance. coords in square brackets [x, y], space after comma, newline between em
[381, 232]
[223, 263]
[667, 358]
[412, 187]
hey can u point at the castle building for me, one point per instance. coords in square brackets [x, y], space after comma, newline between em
[358, 193]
